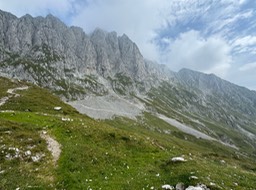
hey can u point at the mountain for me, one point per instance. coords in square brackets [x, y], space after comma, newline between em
[239, 99]
[148, 115]
[65, 59]
[102, 75]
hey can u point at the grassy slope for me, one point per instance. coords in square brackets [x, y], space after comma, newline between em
[116, 154]
[168, 104]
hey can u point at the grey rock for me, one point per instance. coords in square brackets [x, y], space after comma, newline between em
[180, 186]
[47, 52]
[198, 187]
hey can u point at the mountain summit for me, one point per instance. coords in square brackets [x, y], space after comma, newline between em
[48, 52]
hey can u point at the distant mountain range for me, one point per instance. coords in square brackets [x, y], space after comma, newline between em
[75, 66]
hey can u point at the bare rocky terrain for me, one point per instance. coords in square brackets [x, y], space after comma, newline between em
[53, 146]
[106, 107]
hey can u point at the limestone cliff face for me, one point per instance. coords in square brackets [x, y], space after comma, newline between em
[47, 52]
[117, 55]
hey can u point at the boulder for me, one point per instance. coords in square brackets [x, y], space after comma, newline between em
[198, 187]
[180, 186]
[178, 159]
[167, 187]
[57, 108]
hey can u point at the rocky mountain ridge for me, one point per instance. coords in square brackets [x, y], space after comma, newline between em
[75, 65]
[53, 55]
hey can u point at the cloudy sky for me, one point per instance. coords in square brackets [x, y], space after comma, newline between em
[212, 36]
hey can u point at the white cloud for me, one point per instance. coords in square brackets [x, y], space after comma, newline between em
[59, 8]
[190, 50]
[143, 20]
[224, 16]
[137, 19]
[244, 44]
[242, 2]
[248, 67]
[243, 75]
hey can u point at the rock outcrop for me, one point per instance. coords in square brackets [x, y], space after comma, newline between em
[47, 52]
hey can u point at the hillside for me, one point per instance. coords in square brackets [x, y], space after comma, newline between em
[113, 154]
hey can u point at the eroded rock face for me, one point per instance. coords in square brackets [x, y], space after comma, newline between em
[47, 52]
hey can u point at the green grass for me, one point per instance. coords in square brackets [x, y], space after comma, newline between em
[36, 100]
[184, 105]
[22, 171]
[206, 156]
[7, 84]
[122, 84]
[112, 154]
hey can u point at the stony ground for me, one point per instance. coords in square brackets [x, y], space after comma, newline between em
[106, 107]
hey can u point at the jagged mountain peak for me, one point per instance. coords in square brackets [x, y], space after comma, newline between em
[71, 52]
[51, 17]
[7, 14]
[125, 37]
[99, 32]
[196, 74]
[26, 16]
[100, 53]
[47, 42]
